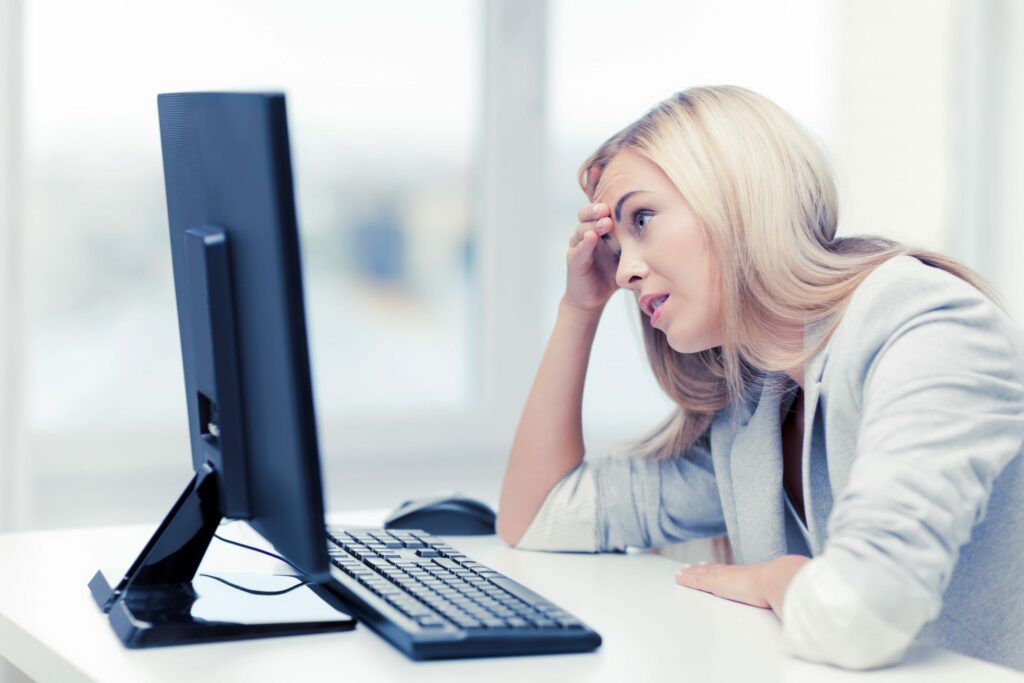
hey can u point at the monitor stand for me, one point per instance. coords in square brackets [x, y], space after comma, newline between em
[161, 600]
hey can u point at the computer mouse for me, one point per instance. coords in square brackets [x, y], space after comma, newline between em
[450, 515]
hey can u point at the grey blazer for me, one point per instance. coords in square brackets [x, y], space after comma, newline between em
[912, 473]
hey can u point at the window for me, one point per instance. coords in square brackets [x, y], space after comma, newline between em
[384, 120]
[435, 146]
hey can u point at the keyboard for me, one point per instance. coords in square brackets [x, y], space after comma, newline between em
[433, 602]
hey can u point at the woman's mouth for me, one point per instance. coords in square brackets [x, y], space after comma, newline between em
[652, 303]
[656, 306]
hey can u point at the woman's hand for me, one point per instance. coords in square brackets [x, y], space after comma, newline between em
[761, 585]
[591, 265]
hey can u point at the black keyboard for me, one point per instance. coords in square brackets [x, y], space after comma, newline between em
[433, 602]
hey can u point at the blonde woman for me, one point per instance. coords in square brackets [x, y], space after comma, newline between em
[850, 410]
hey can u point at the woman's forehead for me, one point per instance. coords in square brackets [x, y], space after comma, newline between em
[627, 171]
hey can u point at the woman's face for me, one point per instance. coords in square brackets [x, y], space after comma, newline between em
[662, 252]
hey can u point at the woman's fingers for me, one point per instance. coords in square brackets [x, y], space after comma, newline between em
[595, 222]
[583, 240]
[597, 230]
[591, 220]
[733, 582]
[592, 212]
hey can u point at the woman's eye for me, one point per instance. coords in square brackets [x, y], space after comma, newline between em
[641, 219]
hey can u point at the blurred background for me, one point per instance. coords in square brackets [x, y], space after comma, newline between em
[435, 145]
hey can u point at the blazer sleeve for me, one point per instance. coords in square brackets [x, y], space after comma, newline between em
[942, 416]
[614, 502]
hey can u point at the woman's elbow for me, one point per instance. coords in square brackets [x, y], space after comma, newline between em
[507, 530]
[857, 655]
[825, 620]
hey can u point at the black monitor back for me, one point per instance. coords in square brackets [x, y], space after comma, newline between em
[238, 285]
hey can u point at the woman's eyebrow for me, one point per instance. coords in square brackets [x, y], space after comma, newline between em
[622, 200]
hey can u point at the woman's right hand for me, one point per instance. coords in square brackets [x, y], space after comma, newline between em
[591, 266]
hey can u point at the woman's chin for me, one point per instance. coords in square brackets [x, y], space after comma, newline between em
[687, 343]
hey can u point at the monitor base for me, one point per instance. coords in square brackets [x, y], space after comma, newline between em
[164, 600]
[216, 607]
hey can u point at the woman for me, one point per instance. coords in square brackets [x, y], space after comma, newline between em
[850, 411]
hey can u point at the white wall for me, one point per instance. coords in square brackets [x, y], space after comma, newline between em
[928, 129]
[894, 141]
[1007, 173]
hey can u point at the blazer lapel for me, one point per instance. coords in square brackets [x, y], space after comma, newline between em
[756, 472]
[751, 465]
[814, 460]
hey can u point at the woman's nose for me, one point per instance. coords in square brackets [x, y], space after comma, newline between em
[631, 272]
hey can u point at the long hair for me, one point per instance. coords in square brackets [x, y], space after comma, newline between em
[763, 192]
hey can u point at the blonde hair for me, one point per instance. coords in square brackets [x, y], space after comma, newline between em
[762, 190]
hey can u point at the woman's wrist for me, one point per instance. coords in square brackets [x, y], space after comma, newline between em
[775, 577]
[583, 314]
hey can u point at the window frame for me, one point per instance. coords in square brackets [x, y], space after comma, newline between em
[14, 491]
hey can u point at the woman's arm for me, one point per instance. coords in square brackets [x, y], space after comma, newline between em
[549, 441]
[608, 503]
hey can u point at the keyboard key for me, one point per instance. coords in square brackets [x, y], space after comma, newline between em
[427, 552]
[521, 592]
[430, 621]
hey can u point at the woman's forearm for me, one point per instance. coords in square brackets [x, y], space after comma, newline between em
[549, 440]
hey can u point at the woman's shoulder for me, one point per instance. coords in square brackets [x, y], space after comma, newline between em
[904, 294]
[904, 283]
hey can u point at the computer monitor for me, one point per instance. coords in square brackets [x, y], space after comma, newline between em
[238, 286]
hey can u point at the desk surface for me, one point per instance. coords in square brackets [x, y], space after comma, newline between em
[653, 630]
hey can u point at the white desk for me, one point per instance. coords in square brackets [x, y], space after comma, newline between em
[653, 630]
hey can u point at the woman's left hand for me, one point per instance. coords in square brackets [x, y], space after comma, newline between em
[761, 585]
